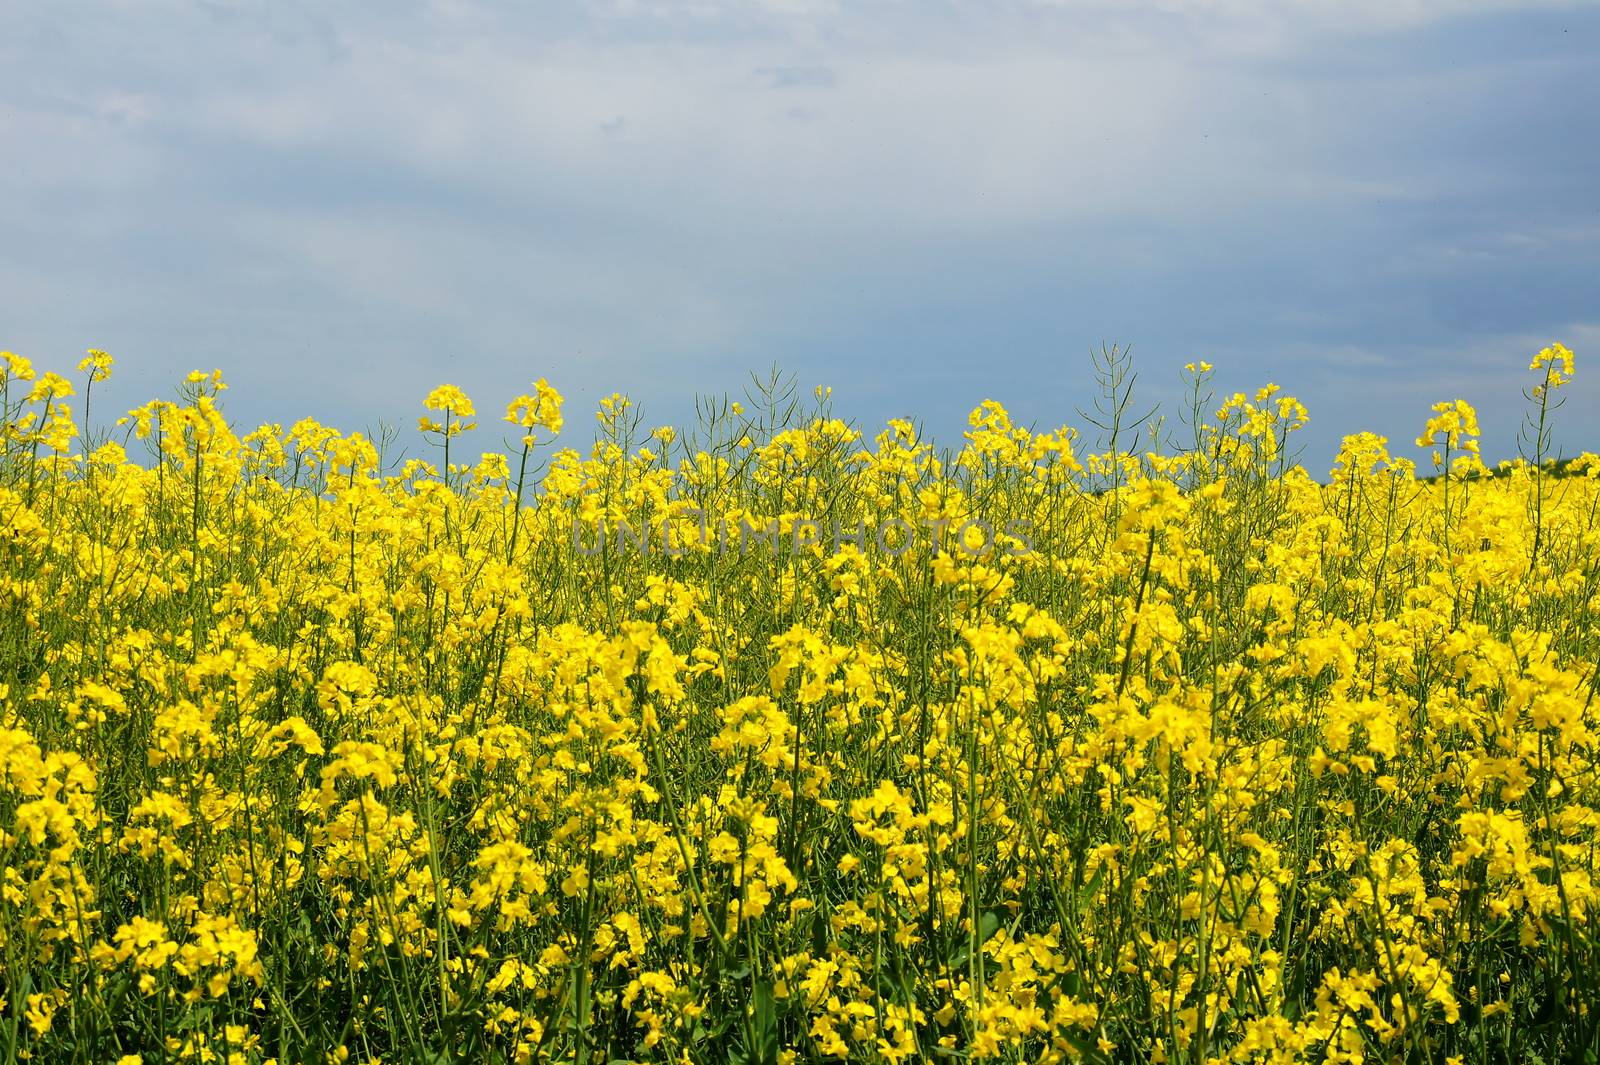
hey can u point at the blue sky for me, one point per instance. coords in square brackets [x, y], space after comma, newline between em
[1376, 204]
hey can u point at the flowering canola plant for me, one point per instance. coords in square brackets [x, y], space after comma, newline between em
[311, 753]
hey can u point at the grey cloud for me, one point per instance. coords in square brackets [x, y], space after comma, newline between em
[814, 77]
[919, 204]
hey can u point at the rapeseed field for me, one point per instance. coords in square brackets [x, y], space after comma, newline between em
[765, 740]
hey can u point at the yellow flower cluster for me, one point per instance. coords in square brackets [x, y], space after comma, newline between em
[312, 756]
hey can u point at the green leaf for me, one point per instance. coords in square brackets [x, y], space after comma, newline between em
[765, 1050]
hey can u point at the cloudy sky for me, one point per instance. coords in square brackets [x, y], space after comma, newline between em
[923, 203]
